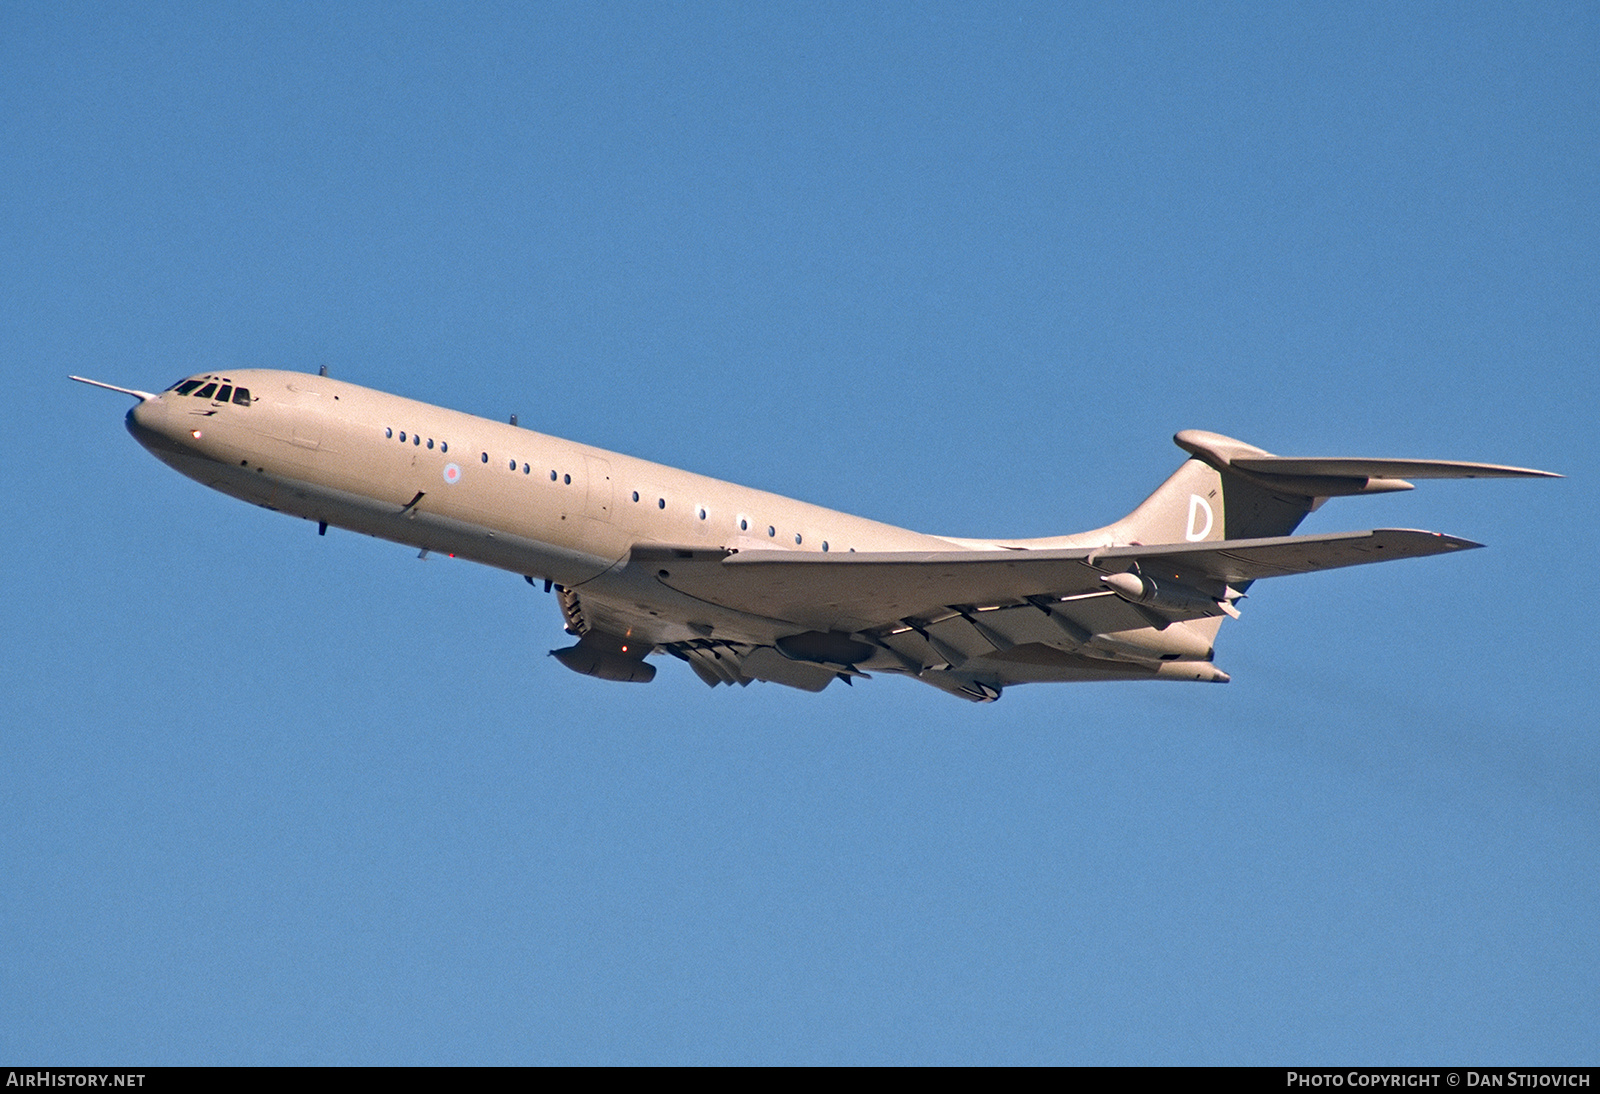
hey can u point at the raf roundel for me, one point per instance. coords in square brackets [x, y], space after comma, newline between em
[452, 474]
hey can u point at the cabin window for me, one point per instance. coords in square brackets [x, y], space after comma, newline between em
[206, 392]
[513, 465]
[702, 512]
[744, 525]
[402, 436]
[189, 385]
[430, 444]
[388, 432]
[567, 479]
[225, 394]
[416, 438]
[824, 546]
[552, 476]
[661, 503]
[797, 538]
[486, 457]
[526, 470]
[636, 495]
[771, 531]
[444, 446]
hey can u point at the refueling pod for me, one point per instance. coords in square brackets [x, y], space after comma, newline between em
[594, 656]
[1169, 595]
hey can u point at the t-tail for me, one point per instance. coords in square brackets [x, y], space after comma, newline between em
[1231, 490]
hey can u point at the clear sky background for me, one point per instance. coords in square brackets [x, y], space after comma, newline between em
[270, 798]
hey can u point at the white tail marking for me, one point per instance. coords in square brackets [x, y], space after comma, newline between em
[1197, 505]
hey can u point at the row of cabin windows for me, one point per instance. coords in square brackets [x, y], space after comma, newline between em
[416, 439]
[527, 469]
[744, 524]
[209, 388]
[566, 480]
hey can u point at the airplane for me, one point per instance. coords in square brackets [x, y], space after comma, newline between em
[744, 585]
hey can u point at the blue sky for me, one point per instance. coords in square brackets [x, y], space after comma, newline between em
[280, 799]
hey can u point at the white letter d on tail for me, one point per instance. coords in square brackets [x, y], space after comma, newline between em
[1197, 530]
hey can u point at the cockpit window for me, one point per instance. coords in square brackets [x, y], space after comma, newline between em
[206, 392]
[187, 386]
[241, 396]
[225, 394]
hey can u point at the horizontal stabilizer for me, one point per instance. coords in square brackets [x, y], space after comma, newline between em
[854, 592]
[1384, 469]
[1335, 476]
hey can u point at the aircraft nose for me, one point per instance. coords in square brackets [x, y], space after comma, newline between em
[139, 420]
[147, 421]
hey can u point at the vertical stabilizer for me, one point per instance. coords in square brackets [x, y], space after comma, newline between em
[1203, 500]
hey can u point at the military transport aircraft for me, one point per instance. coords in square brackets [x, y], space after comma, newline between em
[746, 585]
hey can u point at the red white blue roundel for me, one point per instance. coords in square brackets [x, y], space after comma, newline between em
[452, 474]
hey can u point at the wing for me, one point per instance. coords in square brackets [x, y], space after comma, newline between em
[860, 592]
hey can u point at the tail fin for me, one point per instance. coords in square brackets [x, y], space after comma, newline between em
[1232, 490]
[1205, 500]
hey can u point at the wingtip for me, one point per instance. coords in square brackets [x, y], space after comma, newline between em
[1505, 471]
[1447, 541]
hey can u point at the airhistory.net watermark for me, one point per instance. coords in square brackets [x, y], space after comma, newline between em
[47, 1078]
